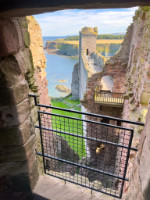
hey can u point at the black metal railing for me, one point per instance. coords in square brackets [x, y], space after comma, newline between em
[83, 150]
[108, 97]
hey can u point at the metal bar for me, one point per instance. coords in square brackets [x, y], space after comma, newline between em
[85, 167]
[90, 114]
[83, 185]
[106, 96]
[126, 163]
[35, 98]
[86, 120]
[94, 115]
[88, 138]
[42, 147]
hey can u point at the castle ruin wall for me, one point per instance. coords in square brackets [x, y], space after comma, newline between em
[21, 56]
[130, 72]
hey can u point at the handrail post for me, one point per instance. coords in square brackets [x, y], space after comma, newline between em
[35, 98]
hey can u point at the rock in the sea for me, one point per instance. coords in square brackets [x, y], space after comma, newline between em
[63, 88]
[62, 81]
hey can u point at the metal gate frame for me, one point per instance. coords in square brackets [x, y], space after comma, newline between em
[48, 157]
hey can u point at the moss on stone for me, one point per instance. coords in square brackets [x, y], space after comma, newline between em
[22, 21]
[31, 81]
[137, 14]
[26, 39]
[145, 8]
[31, 59]
[30, 75]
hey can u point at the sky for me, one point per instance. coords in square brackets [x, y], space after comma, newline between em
[70, 22]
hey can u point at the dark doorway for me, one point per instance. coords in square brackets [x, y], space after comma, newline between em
[87, 52]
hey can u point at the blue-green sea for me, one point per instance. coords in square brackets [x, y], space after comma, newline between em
[59, 68]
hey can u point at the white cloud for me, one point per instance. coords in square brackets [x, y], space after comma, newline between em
[70, 22]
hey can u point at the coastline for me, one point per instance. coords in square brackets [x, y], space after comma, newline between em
[52, 51]
[56, 52]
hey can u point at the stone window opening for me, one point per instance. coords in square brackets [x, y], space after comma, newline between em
[87, 52]
[9, 116]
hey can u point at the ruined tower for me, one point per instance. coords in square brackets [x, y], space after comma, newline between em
[87, 46]
[87, 40]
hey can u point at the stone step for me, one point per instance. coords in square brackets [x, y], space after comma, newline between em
[50, 188]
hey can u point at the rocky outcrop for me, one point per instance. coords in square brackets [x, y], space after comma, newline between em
[62, 48]
[68, 49]
[62, 88]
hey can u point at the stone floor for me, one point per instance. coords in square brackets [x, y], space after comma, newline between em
[50, 188]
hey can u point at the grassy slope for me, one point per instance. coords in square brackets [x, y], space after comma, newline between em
[71, 125]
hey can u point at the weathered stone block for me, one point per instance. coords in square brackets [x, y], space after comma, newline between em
[10, 72]
[144, 99]
[16, 135]
[14, 115]
[15, 94]
[34, 114]
[18, 153]
[13, 168]
[10, 40]
[144, 171]
[24, 59]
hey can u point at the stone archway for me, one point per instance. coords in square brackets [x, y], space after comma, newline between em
[13, 94]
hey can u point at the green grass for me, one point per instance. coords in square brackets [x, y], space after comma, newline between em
[70, 125]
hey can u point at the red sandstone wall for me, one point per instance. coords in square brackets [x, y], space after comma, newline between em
[39, 60]
[136, 104]
[130, 70]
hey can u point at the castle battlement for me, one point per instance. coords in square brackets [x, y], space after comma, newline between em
[89, 31]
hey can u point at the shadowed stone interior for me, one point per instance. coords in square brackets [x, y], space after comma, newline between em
[17, 8]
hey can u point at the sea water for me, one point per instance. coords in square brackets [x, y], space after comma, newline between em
[59, 68]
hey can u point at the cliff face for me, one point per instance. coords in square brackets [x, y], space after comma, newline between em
[63, 48]
[68, 49]
[39, 60]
